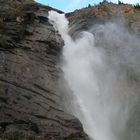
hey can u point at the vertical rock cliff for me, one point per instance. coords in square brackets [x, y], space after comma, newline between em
[29, 95]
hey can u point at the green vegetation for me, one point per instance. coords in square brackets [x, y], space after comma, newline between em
[137, 6]
[119, 2]
[89, 6]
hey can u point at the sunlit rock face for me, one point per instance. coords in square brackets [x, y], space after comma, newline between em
[30, 100]
[105, 12]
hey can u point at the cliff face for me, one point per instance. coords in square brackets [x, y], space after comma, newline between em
[85, 18]
[29, 95]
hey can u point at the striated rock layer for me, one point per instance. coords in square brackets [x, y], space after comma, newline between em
[29, 95]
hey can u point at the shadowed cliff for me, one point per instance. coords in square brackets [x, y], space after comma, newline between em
[30, 101]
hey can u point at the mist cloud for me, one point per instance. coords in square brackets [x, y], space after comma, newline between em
[102, 70]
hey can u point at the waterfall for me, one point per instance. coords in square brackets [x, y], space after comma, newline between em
[101, 67]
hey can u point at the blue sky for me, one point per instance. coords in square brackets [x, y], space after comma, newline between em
[71, 5]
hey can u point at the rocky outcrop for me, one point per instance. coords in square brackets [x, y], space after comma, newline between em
[85, 18]
[30, 100]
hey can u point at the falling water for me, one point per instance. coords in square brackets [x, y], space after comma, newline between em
[103, 73]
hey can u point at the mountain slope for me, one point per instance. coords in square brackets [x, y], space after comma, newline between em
[84, 19]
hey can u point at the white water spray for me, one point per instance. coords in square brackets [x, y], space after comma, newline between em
[98, 72]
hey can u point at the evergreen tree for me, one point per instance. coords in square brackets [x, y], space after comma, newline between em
[137, 6]
[119, 2]
[89, 6]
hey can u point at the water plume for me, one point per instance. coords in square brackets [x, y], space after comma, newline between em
[102, 69]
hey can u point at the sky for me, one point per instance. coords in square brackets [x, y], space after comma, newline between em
[71, 5]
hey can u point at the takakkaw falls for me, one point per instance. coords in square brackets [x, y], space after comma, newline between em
[69, 76]
[103, 96]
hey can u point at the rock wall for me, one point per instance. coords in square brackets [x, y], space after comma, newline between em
[30, 100]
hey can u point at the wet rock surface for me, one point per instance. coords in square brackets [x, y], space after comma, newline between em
[30, 100]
